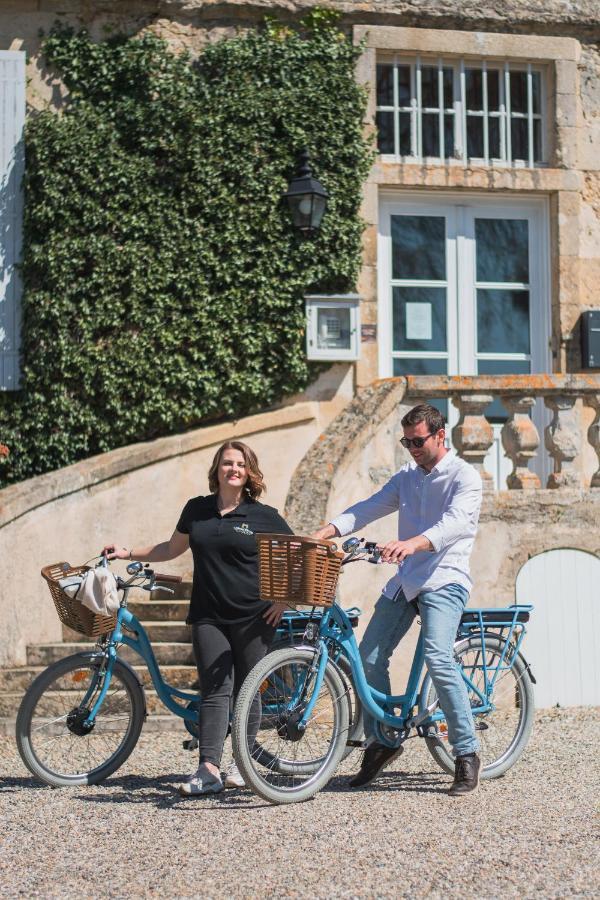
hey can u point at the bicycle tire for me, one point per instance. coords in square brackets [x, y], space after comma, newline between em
[355, 708]
[355, 730]
[502, 750]
[252, 765]
[39, 697]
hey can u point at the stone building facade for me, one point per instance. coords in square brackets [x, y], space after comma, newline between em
[481, 251]
[482, 209]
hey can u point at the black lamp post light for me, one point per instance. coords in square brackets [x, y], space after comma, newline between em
[306, 197]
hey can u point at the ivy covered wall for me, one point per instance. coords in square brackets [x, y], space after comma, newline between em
[163, 281]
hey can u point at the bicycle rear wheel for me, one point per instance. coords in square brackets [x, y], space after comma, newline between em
[284, 764]
[504, 731]
[51, 736]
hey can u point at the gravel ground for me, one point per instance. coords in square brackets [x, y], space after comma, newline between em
[533, 833]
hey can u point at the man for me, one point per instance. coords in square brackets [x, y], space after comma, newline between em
[438, 498]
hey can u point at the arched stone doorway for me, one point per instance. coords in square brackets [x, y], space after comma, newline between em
[563, 636]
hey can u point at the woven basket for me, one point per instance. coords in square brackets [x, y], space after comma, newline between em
[71, 612]
[296, 570]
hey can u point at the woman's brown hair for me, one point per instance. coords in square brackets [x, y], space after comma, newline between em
[255, 485]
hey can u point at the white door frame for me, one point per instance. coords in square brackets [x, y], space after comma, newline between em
[460, 212]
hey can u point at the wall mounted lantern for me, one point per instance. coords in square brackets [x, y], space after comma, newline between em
[306, 197]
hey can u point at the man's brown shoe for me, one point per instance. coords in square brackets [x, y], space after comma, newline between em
[375, 757]
[466, 774]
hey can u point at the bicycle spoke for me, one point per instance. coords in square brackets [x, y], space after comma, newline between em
[499, 725]
[285, 756]
[64, 748]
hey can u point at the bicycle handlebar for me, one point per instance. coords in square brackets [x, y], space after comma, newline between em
[358, 548]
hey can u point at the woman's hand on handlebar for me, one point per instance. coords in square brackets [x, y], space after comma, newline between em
[113, 551]
[274, 613]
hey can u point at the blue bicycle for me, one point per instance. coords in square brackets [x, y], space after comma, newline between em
[82, 716]
[307, 729]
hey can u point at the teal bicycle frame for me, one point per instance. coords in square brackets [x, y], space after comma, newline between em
[143, 648]
[335, 630]
[130, 631]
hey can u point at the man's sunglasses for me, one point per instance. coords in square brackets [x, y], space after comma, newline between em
[415, 442]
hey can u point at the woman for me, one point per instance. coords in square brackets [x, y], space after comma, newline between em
[232, 628]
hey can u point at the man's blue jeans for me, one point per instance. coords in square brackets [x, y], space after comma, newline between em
[440, 613]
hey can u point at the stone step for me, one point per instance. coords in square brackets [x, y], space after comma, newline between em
[168, 631]
[176, 653]
[160, 610]
[56, 702]
[182, 591]
[20, 678]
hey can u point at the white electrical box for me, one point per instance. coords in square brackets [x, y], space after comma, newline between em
[332, 326]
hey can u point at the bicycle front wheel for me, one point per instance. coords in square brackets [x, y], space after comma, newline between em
[52, 739]
[504, 730]
[355, 710]
[281, 763]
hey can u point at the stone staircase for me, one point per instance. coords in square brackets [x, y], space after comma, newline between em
[164, 621]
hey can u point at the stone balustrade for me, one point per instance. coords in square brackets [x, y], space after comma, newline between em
[473, 435]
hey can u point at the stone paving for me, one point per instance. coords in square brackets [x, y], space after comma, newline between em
[533, 833]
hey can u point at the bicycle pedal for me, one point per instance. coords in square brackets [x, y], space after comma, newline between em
[362, 745]
[191, 744]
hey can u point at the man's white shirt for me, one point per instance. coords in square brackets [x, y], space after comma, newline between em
[443, 505]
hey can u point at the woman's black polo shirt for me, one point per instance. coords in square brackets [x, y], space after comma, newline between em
[225, 588]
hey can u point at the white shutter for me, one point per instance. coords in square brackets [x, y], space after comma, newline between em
[12, 121]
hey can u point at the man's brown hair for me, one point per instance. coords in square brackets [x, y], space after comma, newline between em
[424, 412]
[255, 485]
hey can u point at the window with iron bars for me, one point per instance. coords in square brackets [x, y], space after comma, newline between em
[486, 112]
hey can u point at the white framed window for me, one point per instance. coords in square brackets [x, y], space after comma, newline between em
[332, 326]
[474, 111]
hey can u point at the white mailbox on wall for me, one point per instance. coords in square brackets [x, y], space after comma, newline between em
[332, 326]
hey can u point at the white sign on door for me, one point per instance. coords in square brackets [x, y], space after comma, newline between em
[418, 321]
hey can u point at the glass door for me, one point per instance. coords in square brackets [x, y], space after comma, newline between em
[463, 290]
[422, 339]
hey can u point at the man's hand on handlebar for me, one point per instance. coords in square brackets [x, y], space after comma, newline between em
[397, 551]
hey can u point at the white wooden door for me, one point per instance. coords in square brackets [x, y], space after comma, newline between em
[563, 637]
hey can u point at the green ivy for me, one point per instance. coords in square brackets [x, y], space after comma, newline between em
[163, 280]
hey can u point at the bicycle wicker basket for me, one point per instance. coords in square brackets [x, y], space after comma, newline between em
[70, 611]
[298, 570]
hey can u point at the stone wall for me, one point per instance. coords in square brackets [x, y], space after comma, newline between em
[133, 495]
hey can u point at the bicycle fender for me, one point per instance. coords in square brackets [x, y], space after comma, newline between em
[528, 668]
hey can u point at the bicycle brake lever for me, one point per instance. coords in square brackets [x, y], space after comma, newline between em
[159, 587]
